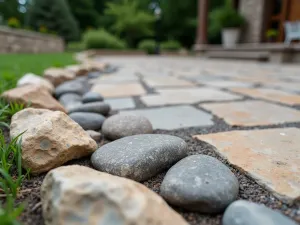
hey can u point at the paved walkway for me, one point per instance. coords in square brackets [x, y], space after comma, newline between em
[259, 103]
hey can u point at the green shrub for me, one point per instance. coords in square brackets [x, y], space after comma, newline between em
[55, 16]
[101, 39]
[227, 17]
[13, 22]
[75, 46]
[171, 45]
[147, 46]
[129, 20]
[272, 33]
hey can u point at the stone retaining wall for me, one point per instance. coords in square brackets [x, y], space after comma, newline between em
[22, 41]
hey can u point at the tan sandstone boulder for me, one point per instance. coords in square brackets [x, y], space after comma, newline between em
[35, 96]
[30, 78]
[58, 75]
[79, 70]
[92, 65]
[51, 138]
[80, 195]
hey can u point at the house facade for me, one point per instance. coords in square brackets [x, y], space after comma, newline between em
[261, 15]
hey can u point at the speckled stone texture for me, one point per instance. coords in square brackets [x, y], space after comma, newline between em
[79, 195]
[123, 125]
[200, 183]
[270, 156]
[139, 157]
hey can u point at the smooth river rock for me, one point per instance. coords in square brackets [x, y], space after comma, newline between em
[243, 212]
[92, 97]
[92, 107]
[50, 139]
[69, 100]
[139, 157]
[123, 125]
[88, 121]
[200, 183]
[97, 136]
[93, 75]
[77, 195]
[75, 86]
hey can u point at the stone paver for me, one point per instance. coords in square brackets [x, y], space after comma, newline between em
[269, 94]
[271, 157]
[187, 96]
[120, 103]
[252, 113]
[225, 83]
[175, 117]
[289, 86]
[167, 82]
[119, 90]
[114, 78]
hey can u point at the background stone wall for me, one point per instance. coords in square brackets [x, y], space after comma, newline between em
[253, 11]
[22, 41]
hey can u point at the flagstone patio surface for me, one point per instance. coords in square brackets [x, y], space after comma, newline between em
[251, 109]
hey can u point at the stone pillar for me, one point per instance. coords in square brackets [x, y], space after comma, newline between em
[253, 11]
[201, 38]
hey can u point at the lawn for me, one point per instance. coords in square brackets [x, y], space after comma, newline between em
[14, 66]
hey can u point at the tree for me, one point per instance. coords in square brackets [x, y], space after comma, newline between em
[129, 21]
[9, 8]
[55, 16]
[84, 12]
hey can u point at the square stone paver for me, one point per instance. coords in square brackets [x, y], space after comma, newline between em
[253, 113]
[271, 157]
[120, 103]
[269, 94]
[111, 79]
[187, 96]
[175, 117]
[289, 86]
[167, 81]
[226, 83]
[119, 90]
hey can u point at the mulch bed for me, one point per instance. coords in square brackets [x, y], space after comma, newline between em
[249, 189]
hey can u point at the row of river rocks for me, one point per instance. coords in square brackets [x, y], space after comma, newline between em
[112, 196]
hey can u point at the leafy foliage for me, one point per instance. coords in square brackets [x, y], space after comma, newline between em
[227, 17]
[75, 46]
[272, 33]
[129, 21]
[147, 46]
[101, 39]
[171, 45]
[56, 16]
[84, 12]
[13, 22]
[9, 9]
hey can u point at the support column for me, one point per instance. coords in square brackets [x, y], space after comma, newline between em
[202, 23]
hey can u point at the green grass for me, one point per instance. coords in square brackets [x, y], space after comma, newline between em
[11, 178]
[14, 66]
[7, 110]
